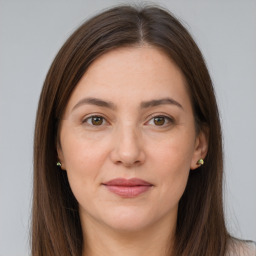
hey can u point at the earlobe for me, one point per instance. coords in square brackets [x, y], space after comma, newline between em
[201, 149]
[60, 161]
[200, 161]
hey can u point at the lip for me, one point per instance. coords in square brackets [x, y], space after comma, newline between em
[128, 188]
[127, 182]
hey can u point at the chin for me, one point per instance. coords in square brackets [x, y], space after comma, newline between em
[127, 227]
[127, 220]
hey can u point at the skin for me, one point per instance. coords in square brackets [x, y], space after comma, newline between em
[130, 142]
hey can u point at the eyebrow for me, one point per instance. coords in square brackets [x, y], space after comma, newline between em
[153, 103]
[94, 101]
[110, 105]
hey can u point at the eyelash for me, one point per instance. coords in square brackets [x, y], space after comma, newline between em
[93, 116]
[167, 120]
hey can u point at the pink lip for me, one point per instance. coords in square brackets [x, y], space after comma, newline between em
[128, 188]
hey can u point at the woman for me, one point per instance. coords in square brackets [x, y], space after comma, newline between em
[129, 115]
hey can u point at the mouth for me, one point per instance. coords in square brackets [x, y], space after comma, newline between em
[128, 188]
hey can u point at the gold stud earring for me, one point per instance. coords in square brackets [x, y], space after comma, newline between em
[58, 163]
[200, 161]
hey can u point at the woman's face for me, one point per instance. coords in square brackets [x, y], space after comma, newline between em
[130, 116]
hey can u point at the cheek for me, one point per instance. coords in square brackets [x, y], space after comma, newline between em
[172, 161]
[83, 162]
[82, 152]
[174, 152]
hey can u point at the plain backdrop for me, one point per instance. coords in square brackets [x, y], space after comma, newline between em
[31, 33]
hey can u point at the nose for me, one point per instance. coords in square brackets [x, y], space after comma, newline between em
[128, 148]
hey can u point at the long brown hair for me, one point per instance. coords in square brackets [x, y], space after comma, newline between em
[56, 227]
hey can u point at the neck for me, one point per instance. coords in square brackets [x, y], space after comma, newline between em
[152, 241]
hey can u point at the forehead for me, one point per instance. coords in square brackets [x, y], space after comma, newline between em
[131, 74]
[136, 61]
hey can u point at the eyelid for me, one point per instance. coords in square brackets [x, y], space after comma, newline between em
[170, 120]
[86, 118]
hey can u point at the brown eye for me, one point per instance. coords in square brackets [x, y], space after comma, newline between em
[97, 120]
[94, 120]
[159, 121]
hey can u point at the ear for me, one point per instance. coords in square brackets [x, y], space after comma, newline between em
[201, 148]
[60, 156]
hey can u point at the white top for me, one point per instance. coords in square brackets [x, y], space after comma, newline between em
[241, 248]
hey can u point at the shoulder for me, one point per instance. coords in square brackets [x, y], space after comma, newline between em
[241, 248]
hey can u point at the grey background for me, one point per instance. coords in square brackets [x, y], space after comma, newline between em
[31, 33]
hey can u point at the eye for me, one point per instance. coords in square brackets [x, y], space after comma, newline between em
[160, 120]
[95, 120]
